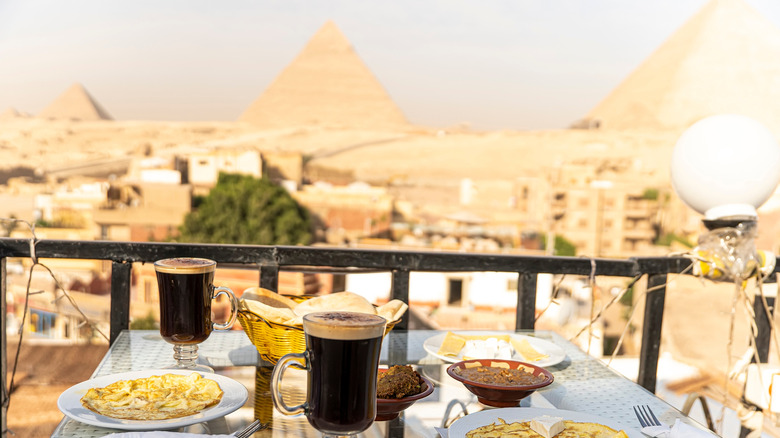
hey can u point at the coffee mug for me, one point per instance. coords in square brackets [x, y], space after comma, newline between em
[187, 289]
[341, 361]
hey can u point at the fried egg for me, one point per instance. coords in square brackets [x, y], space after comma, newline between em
[154, 398]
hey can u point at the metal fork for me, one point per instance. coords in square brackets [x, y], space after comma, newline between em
[646, 416]
[252, 428]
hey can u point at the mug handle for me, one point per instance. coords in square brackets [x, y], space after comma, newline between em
[276, 380]
[233, 307]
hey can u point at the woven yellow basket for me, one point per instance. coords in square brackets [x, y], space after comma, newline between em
[274, 340]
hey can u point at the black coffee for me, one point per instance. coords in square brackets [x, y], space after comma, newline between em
[186, 287]
[343, 351]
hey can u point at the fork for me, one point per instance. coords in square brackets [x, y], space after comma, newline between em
[646, 416]
[252, 428]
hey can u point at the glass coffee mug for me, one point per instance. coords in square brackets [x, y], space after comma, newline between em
[341, 360]
[186, 290]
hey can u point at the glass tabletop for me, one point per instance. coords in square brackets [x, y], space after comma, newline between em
[582, 383]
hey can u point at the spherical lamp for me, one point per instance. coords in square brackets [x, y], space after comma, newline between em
[726, 166]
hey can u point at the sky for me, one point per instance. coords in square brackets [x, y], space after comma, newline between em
[493, 64]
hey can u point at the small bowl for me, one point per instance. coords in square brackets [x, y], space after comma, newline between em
[389, 408]
[497, 395]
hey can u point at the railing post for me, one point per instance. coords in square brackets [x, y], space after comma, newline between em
[400, 291]
[269, 277]
[4, 396]
[651, 331]
[120, 298]
[764, 335]
[525, 318]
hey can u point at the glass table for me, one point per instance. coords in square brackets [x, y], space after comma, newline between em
[582, 383]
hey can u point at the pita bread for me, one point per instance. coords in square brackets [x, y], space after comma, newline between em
[268, 297]
[282, 310]
[269, 313]
[392, 311]
[343, 301]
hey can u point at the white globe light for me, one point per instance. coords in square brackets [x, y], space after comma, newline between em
[726, 166]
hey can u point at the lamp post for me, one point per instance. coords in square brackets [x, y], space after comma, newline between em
[725, 167]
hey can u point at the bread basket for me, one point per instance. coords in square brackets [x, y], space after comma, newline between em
[273, 340]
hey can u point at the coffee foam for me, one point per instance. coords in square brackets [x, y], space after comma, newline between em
[344, 326]
[185, 265]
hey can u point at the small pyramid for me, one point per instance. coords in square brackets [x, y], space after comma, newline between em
[75, 104]
[326, 84]
[725, 59]
[10, 113]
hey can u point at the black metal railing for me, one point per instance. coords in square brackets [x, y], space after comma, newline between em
[270, 260]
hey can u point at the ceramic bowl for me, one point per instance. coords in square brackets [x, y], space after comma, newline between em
[389, 408]
[497, 395]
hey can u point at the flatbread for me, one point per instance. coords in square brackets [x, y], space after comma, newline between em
[269, 313]
[282, 310]
[392, 311]
[341, 301]
[268, 297]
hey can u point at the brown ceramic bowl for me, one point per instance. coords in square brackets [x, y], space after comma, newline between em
[389, 408]
[496, 395]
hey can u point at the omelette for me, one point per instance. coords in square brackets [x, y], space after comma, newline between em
[501, 429]
[154, 397]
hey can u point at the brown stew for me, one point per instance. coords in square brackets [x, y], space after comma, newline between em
[500, 376]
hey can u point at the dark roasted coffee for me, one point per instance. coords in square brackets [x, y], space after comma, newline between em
[186, 287]
[343, 350]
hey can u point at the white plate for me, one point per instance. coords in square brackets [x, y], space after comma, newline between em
[482, 418]
[234, 396]
[555, 353]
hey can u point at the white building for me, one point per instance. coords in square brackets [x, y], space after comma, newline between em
[204, 167]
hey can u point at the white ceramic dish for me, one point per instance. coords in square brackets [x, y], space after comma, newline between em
[482, 418]
[235, 395]
[555, 353]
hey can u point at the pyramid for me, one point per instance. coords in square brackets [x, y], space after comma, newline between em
[10, 113]
[725, 59]
[75, 104]
[327, 84]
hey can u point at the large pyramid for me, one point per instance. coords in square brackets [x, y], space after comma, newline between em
[725, 59]
[327, 84]
[75, 104]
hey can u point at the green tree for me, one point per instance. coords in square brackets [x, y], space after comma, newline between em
[562, 247]
[242, 209]
[149, 322]
[650, 194]
[667, 239]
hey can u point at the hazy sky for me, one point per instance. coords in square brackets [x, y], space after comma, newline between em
[515, 64]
